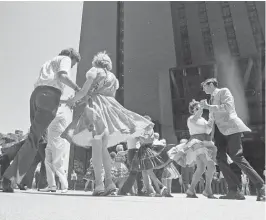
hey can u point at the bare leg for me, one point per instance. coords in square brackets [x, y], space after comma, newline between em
[147, 182]
[107, 163]
[209, 176]
[86, 185]
[97, 164]
[169, 185]
[198, 173]
[157, 183]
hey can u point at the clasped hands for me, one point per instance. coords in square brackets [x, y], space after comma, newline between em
[203, 104]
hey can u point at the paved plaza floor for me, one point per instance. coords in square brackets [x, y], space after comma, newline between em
[77, 205]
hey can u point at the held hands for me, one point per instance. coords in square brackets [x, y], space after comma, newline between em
[70, 102]
[203, 104]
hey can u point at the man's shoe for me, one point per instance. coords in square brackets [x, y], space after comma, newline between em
[236, 195]
[22, 187]
[7, 186]
[48, 189]
[261, 194]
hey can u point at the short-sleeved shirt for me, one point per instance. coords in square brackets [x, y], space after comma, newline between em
[74, 176]
[49, 72]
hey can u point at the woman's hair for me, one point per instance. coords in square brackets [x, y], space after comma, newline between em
[192, 105]
[147, 117]
[119, 147]
[72, 53]
[182, 141]
[112, 155]
[102, 60]
[156, 135]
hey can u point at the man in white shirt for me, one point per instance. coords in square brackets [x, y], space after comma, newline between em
[57, 150]
[44, 102]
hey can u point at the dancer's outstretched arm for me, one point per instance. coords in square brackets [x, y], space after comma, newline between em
[87, 85]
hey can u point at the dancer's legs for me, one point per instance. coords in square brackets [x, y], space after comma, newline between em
[97, 164]
[147, 182]
[198, 173]
[209, 176]
[157, 183]
[107, 162]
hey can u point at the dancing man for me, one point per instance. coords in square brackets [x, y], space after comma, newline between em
[44, 102]
[227, 135]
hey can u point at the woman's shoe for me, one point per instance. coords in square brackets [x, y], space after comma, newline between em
[98, 191]
[191, 194]
[110, 190]
[209, 196]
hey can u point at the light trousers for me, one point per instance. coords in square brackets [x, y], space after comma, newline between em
[57, 148]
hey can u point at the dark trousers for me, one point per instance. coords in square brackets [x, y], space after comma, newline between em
[232, 145]
[128, 184]
[223, 186]
[139, 182]
[44, 102]
[9, 155]
[28, 178]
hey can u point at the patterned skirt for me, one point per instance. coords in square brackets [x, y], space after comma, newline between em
[119, 170]
[105, 114]
[170, 172]
[187, 153]
[150, 157]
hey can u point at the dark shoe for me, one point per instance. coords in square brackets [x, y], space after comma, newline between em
[233, 195]
[7, 186]
[141, 193]
[22, 187]
[191, 194]
[209, 196]
[169, 195]
[261, 194]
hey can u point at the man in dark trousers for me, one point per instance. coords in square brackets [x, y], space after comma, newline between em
[9, 154]
[44, 102]
[228, 129]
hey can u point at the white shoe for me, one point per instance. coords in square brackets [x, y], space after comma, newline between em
[48, 189]
[64, 190]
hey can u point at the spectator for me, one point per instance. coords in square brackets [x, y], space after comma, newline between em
[74, 179]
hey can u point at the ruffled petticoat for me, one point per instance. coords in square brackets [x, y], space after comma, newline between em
[199, 145]
[105, 114]
[170, 172]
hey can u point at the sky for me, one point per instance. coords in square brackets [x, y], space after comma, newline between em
[31, 34]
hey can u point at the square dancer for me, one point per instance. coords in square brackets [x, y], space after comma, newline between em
[44, 102]
[228, 129]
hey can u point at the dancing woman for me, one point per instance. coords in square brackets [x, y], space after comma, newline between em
[199, 149]
[119, 168]
[104, 122]
[145, 158]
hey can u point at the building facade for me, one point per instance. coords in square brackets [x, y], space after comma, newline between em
[161, 51]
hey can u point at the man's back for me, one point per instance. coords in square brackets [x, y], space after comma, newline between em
[48, 73]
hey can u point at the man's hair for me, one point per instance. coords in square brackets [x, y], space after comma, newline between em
[209, 81]
[72, 53]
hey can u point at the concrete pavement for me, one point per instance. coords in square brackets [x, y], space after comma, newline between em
[77, 205]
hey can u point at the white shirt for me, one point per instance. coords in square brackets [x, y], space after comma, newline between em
[48, 74]
[198, 127]
[221, 175]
